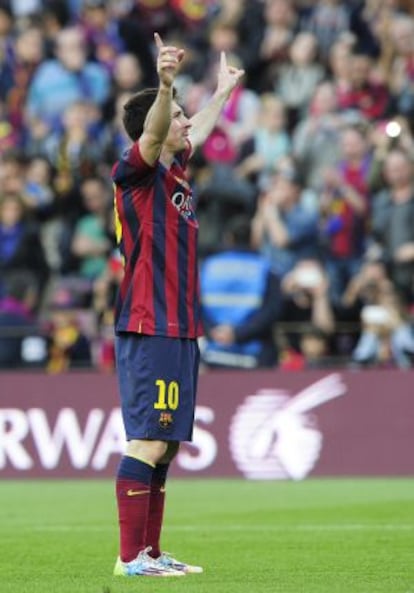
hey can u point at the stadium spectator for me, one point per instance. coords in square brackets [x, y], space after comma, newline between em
[248, 20]
[9, 137]
[385, 136]
[127, 77]
[21, 341]
[259, 155]
[297, 79]
[387, 339]
[339, 63]
[393, 221]
[280, 26]
[402, 69]
[114, 140]
[368, 97]
[283, 229]
[315, 348]
[313, 351]
[69, 347]
[328, 20]
[316, 138]
[92, 241]
[369, 286]
[110, 33]
[58, 83]
[38, 194]
[27, 57]
[345, 205]
[101, 34]
[12, 171]
[305, 292]
[6, 43]
[72, 150]
[20, 246]
[240, 302]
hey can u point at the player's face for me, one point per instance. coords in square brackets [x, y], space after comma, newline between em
[179, 131]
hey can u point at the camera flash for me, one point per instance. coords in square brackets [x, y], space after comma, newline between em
[393, 129]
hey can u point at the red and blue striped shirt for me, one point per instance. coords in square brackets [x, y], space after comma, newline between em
[157, 234]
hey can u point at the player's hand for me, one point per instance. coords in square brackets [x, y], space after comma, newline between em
[223, 334]
[228, 76]
[168, 61]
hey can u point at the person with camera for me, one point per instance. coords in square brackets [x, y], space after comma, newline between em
[283, 228]
[305, 292]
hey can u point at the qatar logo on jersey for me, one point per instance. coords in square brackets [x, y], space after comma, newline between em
[274, 436]
[182, 202]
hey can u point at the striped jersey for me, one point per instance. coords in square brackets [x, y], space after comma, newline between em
[157, 233]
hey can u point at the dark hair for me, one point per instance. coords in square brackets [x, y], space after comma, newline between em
[18, 284]
[238, 230]
[136, 110]
[313, 331]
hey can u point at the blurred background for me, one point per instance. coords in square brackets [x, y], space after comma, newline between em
[304, 190]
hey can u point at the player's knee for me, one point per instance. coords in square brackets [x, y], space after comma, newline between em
[149, 451]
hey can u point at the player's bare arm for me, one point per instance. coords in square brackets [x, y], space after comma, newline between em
[158, 119]
[204, 121]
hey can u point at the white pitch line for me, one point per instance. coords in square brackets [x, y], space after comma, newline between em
[251, 528]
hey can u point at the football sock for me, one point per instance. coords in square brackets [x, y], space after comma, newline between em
[156, 508]
[133, 486]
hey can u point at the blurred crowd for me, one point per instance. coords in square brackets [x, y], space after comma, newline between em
[304, 190]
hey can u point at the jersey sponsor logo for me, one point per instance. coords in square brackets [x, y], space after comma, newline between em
[183, 202]
[274, 436]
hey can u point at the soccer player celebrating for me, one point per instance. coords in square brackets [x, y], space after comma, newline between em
[157, 318]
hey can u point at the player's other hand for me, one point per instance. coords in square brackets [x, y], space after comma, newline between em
[168, 61]
[228, 76]
[223, 334]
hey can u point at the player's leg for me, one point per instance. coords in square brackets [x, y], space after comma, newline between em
[157, 503]
[133, 490]
[137, 389]
[157, 498]
[179, 401]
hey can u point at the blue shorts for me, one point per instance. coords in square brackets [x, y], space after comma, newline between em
[157, 379]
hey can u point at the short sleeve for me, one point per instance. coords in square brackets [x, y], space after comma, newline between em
[131, 168]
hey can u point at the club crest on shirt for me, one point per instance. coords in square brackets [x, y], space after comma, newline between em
[166, 420]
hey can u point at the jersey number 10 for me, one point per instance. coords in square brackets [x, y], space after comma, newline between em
[168, 395]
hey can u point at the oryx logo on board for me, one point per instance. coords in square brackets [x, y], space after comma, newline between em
[273, 436]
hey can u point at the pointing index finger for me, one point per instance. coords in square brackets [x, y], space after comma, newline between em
[158, 41]
[223, 61]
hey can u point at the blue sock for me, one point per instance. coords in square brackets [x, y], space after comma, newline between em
[131, 468]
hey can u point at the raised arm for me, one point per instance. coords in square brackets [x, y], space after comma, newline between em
[204, 121]
[158, 119]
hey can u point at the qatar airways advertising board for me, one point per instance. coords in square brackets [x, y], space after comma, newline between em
[257, 425]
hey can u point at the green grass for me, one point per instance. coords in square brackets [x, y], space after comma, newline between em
[316, 536]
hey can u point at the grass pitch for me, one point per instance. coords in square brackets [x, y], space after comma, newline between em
[316, 536]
